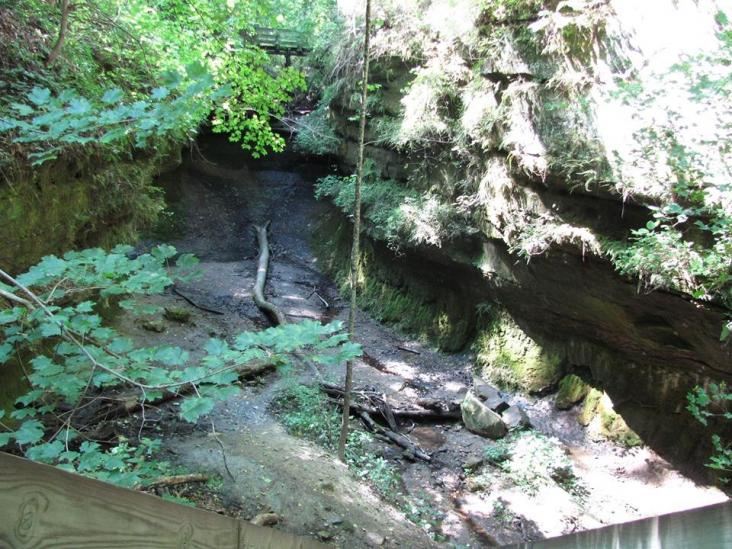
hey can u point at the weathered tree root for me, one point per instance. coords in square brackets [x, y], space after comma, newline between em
[268, 308]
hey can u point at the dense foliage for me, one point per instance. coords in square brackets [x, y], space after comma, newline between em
[129, 71]
[73, 360]
[688, 244]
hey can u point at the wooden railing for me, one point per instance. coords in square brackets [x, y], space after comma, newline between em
[42, 506]
[702, 528]
[279, 41]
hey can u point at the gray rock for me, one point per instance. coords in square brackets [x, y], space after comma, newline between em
[515, 417]
[480, 419]
[489, 396]
[374, 539]
[473, 462]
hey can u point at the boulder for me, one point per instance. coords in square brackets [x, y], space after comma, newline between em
[514, 417]
[480, 419]
[490, 396]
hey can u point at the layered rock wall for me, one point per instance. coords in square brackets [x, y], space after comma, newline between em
[524, 162]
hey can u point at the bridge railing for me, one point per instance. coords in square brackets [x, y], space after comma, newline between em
[42, 506]
[707, 527]
[282, 41]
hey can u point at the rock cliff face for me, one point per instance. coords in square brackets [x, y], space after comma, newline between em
[508, 160]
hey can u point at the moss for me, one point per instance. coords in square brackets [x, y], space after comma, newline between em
[571, 391]
[75, 203]
[507, 356]
[177, 314]
[389, 292]
[599, 416]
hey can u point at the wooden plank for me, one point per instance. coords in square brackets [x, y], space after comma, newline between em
[702, 528]
[42, 506]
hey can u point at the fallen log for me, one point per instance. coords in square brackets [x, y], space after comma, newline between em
[268, 308]
[129, 404]
[442, 410]
[398, 439]
[173, 480]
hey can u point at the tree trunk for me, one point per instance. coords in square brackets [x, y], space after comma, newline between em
[355, 251]
[62, 29]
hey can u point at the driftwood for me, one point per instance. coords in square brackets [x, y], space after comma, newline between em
[269, 308]
[408, 350]
[371, 403]
[396, 438]
[174, 480]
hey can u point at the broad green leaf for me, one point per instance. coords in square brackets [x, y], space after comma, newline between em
[171, 356]
[39, 96]
[192, 408]
[22, 109]
[47, 452]
[30, 432]
[112, 96]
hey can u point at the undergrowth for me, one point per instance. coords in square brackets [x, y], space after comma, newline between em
[305, 411]
[531, 460]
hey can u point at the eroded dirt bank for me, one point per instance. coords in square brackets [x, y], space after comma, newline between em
[458, 498]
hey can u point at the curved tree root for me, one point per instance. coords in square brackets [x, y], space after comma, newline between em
[275, 314]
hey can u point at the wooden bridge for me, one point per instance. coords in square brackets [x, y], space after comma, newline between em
[285, 42]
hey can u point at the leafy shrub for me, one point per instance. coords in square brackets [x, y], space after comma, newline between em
[315, 134]
[305, 412]
[706, 404]
[394, 213]
[531, 460]
[47, 315]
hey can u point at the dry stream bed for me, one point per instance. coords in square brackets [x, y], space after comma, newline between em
[473, 492]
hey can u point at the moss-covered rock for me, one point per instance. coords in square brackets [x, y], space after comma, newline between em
[507, 356]
[177, 314]
[571, 391]
[601, 419]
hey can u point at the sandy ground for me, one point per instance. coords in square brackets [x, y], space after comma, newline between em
[313, 493]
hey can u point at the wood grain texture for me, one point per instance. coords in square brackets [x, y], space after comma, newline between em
[42, 506]
[707, 527]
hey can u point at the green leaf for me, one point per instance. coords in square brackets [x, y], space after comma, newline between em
[160, 93]
[171, 356]
[22, 109]
[192, 408]
[215, 347]
[112, 96]
[30, 432]
[5, 438]
[39, 96]
[50, 328]
[9, 316]
[47, 452]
